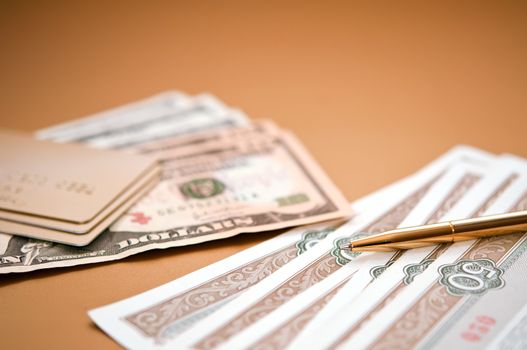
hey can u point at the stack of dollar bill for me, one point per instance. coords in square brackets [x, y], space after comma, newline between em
[221, 175]
[301, 290]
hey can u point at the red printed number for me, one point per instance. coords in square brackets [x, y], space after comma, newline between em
[481, 325]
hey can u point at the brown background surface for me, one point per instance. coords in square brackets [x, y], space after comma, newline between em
[375, 90]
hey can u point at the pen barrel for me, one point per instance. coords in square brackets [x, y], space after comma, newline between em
[442, 239]
[516, 220]
[444, 232]
[405, 234]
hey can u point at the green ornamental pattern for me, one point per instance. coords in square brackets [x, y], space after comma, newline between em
[474, 277]
[311, 238]
[202, 188]
[341, 253]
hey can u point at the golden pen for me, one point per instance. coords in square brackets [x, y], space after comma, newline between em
[443, 232]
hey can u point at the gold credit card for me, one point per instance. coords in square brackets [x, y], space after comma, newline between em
[65, 182]
[76, 239]
[82, 228]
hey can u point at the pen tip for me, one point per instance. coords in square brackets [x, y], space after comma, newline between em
[345, 246]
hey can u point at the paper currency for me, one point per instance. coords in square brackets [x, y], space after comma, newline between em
[466, 197]
[279, 328]
[458, 285]
[188, 208]
[166, 115]
[142, 110]
[264, 181]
